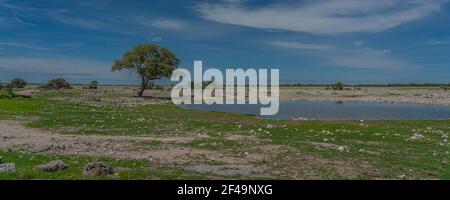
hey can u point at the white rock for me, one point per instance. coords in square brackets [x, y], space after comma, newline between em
[8, 168]
[416, 136]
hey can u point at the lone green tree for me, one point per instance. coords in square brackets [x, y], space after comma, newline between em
[148, 61]
[93, 85]
[18, 83]
[338, 86]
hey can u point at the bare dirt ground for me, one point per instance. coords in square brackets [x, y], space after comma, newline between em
[119, 95]
[14, 136]
[268, 161]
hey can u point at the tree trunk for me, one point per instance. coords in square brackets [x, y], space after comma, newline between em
[141, 92]
[10, 91]
[144, 84]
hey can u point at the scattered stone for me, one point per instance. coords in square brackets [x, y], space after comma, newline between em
[401, 176]
[53, 166]
[97, 169]
[269, 126]
[8, 168]
[416, 136]
[341, 149]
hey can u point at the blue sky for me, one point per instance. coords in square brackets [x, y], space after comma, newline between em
[310, 41]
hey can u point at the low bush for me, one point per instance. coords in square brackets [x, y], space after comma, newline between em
[57, 84]
[18, 83]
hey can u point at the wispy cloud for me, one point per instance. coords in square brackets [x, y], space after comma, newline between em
[358, 43]
[64, 16]
[167, 24]
[60, 66]
[323, 17]
[23, 22]
[69, 17]
[361, 57]
[368, 58]
[300, 45]
[81, 22]
[71, 45]
[18, 7]
[441, 41]
[154, 38]
[25, 46]
[95, 4]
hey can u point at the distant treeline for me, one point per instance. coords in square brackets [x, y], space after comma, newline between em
[375, 85]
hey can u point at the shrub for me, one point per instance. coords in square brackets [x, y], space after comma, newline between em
[338, 86]
[18, 83]
[57, 84]
[93, 85]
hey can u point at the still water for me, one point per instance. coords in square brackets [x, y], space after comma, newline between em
[330, 110]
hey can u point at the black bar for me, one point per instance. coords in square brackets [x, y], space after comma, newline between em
[260, 189]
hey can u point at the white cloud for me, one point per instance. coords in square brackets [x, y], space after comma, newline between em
[363, 58]
[154, 38]
[299, 45]
[323, 17]
[168, 24]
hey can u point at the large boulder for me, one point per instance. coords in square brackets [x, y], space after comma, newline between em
[97, 169]
[8, 168]
[53, 166]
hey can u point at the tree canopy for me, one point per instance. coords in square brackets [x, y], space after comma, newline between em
[93, 85]
[18, 83]
[149, 61]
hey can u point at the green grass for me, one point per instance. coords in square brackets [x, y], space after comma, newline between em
[136, 169]
[380, 146]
